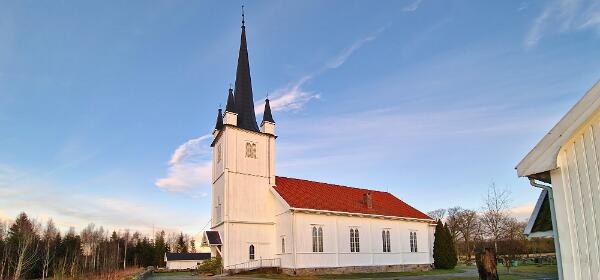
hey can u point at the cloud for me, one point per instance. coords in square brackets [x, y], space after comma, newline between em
[563, 16]
[294, 97]
[412, 6]
[189, 168]
[522, 212]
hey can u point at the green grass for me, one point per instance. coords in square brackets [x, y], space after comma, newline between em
[351, 275]
[390, 274]
[549, 269]
[523, 272]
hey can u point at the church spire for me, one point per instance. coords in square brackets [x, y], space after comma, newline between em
[230, 107]
[219, 124]
[244, 102]
[267, 116]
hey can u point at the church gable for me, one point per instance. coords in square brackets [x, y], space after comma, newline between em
[306, 194]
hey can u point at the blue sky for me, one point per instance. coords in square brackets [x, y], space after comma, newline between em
[105, 106]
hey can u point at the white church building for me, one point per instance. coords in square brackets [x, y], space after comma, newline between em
[302, 226]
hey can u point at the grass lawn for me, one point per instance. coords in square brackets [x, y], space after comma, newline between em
[523, 272]
[352, 275]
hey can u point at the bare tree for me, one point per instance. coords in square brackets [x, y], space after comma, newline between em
[495, 213]
[24, 235]
[49, 242]
[126, 236]
[437, 214]
[463, 224]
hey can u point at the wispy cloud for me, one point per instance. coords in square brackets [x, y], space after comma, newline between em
[412, 6]
[563, 16]
[189, 168]
[522, 212]
[293, 96]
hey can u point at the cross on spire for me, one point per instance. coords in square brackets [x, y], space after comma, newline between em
[243, 17]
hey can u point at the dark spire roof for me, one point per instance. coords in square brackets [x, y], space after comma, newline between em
[244, 102]
[219, 124]
[230, 107]
[267, 116]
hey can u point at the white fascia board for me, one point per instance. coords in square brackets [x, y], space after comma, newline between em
[543, 156]
[317, 211]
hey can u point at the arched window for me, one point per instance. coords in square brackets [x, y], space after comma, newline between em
[283, 245]
[385, 236]
[251, 252]
[413, 242]
[317, 239]
[354, 240]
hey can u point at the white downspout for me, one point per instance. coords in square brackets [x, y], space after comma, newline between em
[554, 227]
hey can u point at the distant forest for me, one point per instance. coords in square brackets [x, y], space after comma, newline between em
[29, 250]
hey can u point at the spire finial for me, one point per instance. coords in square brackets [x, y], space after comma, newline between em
[243, 17]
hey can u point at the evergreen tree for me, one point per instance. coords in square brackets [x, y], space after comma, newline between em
[181, 244]
[439, 260]
[451, 253]
[444, 251]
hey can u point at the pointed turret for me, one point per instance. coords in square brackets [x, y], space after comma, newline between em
[219, 124]
[244, 102]
[267, 116]
[230, 102]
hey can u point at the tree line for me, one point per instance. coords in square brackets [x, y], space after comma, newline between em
[492, 226]
[29, 250]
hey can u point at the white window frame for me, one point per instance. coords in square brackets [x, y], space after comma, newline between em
[251, 252]
[317, 238]
[386, 240]
[414, 248]
[354, 240]
[251, 149]
[283, 244]
[219, 153]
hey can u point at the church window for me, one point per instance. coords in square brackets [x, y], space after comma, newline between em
[283, 245]
[354, 240]
[317, 239]
[250, 150]
[385, 236]
[251, 252]
[218, 209]
[413, 241]
[219, 153]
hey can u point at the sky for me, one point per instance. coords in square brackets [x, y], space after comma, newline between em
[106, 107]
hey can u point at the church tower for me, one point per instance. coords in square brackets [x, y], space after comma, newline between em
[243, 173]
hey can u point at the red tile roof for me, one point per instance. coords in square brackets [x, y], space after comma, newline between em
[305, 194]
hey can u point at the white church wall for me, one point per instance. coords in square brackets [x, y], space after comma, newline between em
[283, 229]
[336, 241]
[241, 236]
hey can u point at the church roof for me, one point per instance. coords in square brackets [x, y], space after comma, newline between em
[187, 256]
[244, 102]
[299, 193]
[267, 116]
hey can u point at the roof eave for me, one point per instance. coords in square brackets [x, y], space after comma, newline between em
[341, 213]
[542, 157]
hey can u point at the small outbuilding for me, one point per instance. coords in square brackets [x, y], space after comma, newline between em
[184, 261]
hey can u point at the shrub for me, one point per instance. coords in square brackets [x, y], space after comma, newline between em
[212, 266]
[444, 251]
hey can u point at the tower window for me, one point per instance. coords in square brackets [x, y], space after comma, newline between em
[250, 150]
[283, 245]
[219, 154]
[251, 252]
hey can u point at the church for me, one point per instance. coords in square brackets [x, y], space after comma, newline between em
[304, 227]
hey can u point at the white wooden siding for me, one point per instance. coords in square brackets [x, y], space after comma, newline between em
[576, 185]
